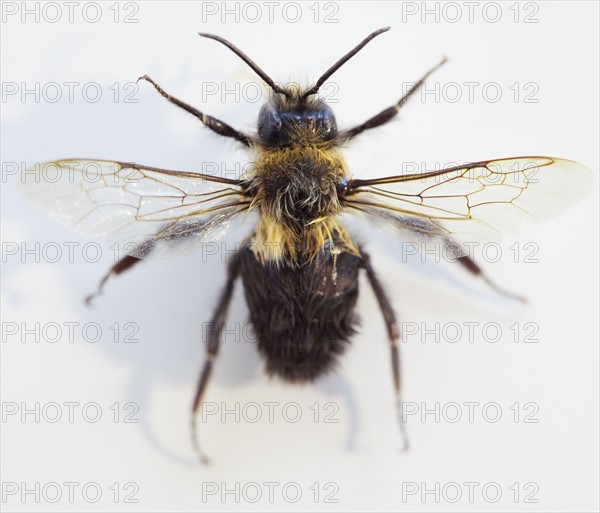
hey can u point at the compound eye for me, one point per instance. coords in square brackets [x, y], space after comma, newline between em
[269, 123]
[328, 124]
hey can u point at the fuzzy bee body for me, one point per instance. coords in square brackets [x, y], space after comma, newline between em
[300, 268]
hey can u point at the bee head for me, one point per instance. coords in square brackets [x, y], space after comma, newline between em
[292, 119]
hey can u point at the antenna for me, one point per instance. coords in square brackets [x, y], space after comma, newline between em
[248, 61]
[343, 60]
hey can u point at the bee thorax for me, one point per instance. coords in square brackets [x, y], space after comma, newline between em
[298, 186]
[298, 201]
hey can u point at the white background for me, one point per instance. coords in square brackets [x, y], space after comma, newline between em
[169, 300]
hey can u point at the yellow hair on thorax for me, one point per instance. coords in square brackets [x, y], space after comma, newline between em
[297, 199]
[274, 243]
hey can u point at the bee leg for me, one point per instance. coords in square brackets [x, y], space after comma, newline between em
[214, 124]
[394, 335]
[212, 348]
[387, 114]
[469, 264]
[122, 265]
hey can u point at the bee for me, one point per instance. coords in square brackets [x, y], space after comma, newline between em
[300, 266]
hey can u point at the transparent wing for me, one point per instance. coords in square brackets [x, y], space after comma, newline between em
[476, 202]
[144, 209]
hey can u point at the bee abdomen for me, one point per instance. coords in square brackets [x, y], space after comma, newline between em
[302, 314]
[303, 351]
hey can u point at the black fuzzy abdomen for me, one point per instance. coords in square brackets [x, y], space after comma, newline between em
[303, 316]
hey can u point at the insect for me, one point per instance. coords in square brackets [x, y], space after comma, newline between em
[300, 266]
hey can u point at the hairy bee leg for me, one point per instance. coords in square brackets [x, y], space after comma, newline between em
[122, 265]
[394, 335]
[469, 264]
[214, 124]
[217, 323]
[387, 114]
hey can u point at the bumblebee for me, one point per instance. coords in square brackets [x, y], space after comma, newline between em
[300, 266]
